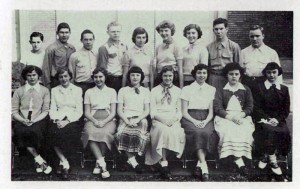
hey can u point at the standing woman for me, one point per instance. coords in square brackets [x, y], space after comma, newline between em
[132, 136]
[65, 112]
[166, 132]
[139, 56]
[100, 110]
[168, 53]
[30, 107]
[233, 105]
[197, 109]
[271, 108]
[194, 53]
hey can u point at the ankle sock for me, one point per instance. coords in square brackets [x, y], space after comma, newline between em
[101, 162]
[239, 162]
[204, 167]
[39, 159]
[65, 164]
[164, 163]
[132, 161]
[273, 158]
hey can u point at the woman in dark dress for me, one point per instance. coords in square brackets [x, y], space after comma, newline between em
[271, 108]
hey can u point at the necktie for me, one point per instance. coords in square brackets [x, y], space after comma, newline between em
[166, 92]
[136, 90]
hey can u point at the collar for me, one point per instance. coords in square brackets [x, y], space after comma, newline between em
[197, 86]
[36, 87]
[110, 43]
[168, 41]
[69, 88]
[85, 50]
[60, 44]
[234, 89]
[192, 45]
[103, 89]
[138, 49]
[223, 43]
[268, 85]
[41, 51]
[262, 48]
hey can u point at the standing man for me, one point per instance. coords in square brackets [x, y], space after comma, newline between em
[111, 55]
[221, 52]
[57, 55]
[256, 56]
[83, 62]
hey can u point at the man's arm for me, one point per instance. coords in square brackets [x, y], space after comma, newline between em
[102, 57]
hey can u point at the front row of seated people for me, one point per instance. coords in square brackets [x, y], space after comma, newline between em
[192, 118]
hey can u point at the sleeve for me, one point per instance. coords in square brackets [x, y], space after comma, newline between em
[78, 111]
[46, 101]
[47, 66]
[275, 58]
[248, 107]
[102, 57]
[185, 94]
[147, 96]
[126, 59]
[121, 96]
[242, 61]
[53, 113]
[178, 107]
[237, 53]
[218, 104]
[153, 110]
[258, 111]
[15, 102]
[285, 108]
[203, 56]
[113, 98]
[87, 97]
[178, 53]
[72, 65]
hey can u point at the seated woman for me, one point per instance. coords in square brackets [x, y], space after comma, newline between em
[30, 107]
[166, 132]
[233, 105]
[132, 136]
[100, 110]
[271, 108]
[197, 109]
[65, 112]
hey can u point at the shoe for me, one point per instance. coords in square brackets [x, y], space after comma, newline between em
[205, 177]
[263, 162]
[59, 170]
[104, 173]
[39, 168]
[139, 169]
[165, 173]
[197, 173]
[96, 170]
[244, 171]
[65, 174]
[43, 168]
[275, 168]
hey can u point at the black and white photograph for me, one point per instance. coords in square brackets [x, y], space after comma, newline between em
[159, 95]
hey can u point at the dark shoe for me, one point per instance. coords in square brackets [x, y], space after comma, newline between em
[65, 174]
[244, 171]
[205, 177]
[197, 173]
[59, 170]
[165, 173]
[139, 169]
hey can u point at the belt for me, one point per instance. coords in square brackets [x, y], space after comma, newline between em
[216, 72]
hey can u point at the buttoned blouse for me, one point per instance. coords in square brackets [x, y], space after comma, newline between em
[133, 103]
[168, 55]
[66, 102]
[157, 106]
[100, 99]
[194, 54]
[141, 57]
[198, 96]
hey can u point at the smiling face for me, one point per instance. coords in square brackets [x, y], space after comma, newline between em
[256, 38]
[64, 79]
[135, 79]
[165, 33]
[220, 31]
[167, 78]
[114, 33]
[88, 41]
[201, 76]
[64, 35]
[99, 79]
[233, 77]
[272, 75]
[32, 78]
[140, 40]
[192, 35]
[36, 43]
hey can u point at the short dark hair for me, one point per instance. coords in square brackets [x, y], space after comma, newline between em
[63, 25]
[61, 71]
[135, 69]
[37, 34]
[272, 66]
[257, 27]
[139, 30]
[164, 70]
[29, 69]
[233, 66]
[97, 70]
[85, 32]
[192, 26]
[199, 67]
[221, 21]
[166, 24]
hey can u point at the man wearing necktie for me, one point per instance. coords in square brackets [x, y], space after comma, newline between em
[221, 52]
[256, 56]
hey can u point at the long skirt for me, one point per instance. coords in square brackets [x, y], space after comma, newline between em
[164, 137]
[199, 138]
[267, 137]
[235, 139]
[30, 136]
[66, 138]
[104, 134]
[132, 139]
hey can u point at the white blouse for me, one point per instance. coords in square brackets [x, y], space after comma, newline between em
[100, 99]
[133, 103]
[66, 102]
[198, 97]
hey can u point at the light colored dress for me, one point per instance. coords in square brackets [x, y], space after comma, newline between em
[163, 136]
